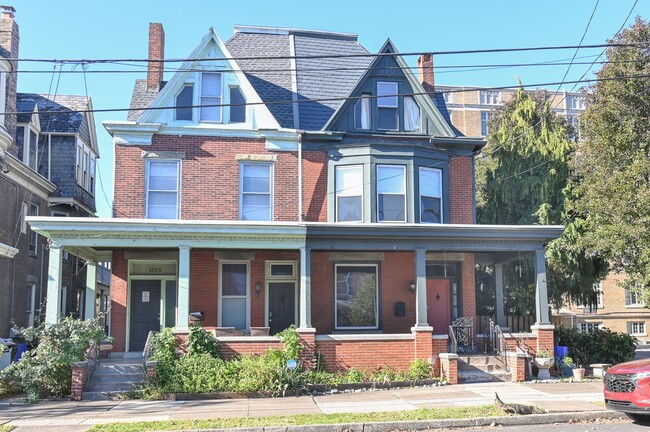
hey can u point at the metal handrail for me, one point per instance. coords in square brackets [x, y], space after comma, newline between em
[500, 345]
[146, 352]
[454, 342]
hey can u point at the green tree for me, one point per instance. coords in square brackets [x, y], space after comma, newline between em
[525, 178]
[614, 165]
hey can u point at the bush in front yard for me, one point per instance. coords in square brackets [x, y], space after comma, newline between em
[47, 369]
[597, 345]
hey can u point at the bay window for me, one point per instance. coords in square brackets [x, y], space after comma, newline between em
[391, 193]
[430, 195]
[349, 193]
[357, 296]
[162, 189]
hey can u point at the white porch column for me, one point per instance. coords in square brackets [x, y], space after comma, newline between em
[305, 288]
[91, 284]
[53, 305]
[421, 319]
[541, 292]
[498, 276]
[183, 319]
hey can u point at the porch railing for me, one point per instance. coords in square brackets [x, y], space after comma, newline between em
[499, 343]
[454, 343]
[146, 352]
[516, 323]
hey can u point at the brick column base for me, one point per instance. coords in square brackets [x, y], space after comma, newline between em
[423, 343]
[150, 369]
[517, 363]
[449, 367]
[308, 339]
[545, 336]
[79, 378]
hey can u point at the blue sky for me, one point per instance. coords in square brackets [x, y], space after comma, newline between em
[119, 29]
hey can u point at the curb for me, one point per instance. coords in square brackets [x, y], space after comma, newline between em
[533, 419]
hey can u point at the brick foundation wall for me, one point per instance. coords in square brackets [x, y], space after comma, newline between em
[461, 190]
[369, 355]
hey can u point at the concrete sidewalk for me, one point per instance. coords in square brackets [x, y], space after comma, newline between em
[79, 416]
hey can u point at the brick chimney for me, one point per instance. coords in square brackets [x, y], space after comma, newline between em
[9, 41]
[425, 72]
[156, 52]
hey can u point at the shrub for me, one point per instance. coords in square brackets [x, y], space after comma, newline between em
[200, 341]
[420, 369]
[597, 345]
[47, 368]
[354, 376]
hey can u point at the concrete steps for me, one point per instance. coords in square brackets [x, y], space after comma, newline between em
[113, 379]
[482, 368]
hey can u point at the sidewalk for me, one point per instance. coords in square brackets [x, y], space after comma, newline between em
[79, 416]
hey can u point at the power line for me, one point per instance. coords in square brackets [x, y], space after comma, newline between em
[330, 56]
[331, 99]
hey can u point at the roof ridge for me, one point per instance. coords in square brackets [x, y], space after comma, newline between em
[293, 30]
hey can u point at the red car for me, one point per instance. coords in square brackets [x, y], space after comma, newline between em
[627, 389]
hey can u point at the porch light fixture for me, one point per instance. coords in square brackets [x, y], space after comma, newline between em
[258, 287]
[412, 286]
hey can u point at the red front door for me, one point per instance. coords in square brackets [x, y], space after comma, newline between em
[439, 305]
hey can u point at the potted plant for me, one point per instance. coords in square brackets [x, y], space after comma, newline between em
[544, 359]
[579, 372]
[567, 366]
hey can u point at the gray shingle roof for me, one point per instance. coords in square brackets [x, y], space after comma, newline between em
[439, 102]
[64, 122]
[271, 78]
[141, 98]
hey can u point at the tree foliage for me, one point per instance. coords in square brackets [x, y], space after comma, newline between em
[524, 178]
[613, 164]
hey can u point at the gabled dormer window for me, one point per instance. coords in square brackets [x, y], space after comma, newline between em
[27, 143]
[184, 102]
[411, 115]
[211, 96]
[362, 113]
[387, 106]
[237, 106]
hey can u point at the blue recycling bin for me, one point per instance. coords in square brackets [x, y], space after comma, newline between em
[20, 350]
[561, 352]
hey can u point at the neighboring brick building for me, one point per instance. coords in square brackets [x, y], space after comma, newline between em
[273, 186]
[48, 169]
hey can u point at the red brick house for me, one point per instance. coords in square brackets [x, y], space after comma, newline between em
[286, 177]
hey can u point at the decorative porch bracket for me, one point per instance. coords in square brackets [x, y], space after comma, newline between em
[541, 292]
[54, 284]
[183, 319]
[421, 319]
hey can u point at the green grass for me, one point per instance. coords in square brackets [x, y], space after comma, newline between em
[304, 419]
[4, 428]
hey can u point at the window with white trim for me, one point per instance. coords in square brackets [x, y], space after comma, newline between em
[575, 102]
[588, 326]
[485, 122]
[430, 195]
[237, 105]
[211, 96]
[349, 193]
[391, 193]
[490, 97]
[163, 189]
[387, 106]
[33, 236]
[86, 164]
[256, 191]
[362, 113]
[31, 304]
[636, 328]
[234, 295]
[632, 298]
[27, 143]
[599, 297]
[357, 296]
[24, 209]
[411, 114]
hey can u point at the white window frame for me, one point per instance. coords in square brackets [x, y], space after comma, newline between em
[178, 184]
[378, 166]
[33, 235]
[270, 193]
[442, 202]
[377, 306]
[28, 129]
[381, 104]
[24, 210]
[587, 326]
[637, 328]
[363, 101]
[247, 296]
[185, 85]
[485, 121]
[203, 96]
[79, 163]
[490, 97]
[343, 194]
[31, 304]
[576, 102]
[598, 287]
[91, 174]
[630, 296]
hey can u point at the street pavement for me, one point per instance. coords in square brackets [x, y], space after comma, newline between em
[79, 416]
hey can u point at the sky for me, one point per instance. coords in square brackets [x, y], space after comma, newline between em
[86, 29]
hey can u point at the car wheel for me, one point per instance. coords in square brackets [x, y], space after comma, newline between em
[639, 418]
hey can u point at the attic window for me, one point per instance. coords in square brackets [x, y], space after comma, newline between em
[362, 113]
[237, 106]
[184, 103]
[387, 106]
[211, 95]
[411, 115]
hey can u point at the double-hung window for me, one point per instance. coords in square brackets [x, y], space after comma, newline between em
[485, 120]
[163, 187]
[636, 328]
[33, 236]
[411, 115]
[391, 193]
[234, 295]
[632, 298]
[387, 106]
[362, 113]
[184, 102]
[430, 195]
[27, 143]
[256, 191]
[357, 296]
[349, 193]
[211, 96]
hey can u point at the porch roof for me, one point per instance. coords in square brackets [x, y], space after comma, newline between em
[89, 236]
